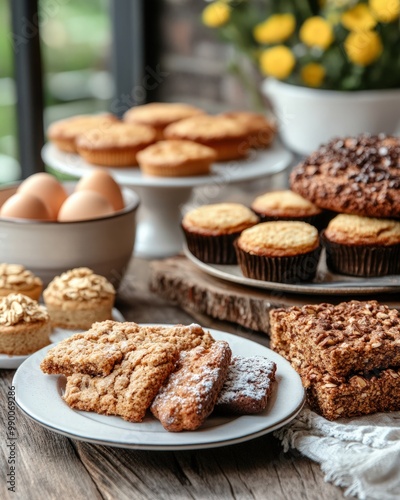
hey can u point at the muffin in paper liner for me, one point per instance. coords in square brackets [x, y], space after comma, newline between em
[319, 221]
[361, 260]
[289, 269]
[211, 249]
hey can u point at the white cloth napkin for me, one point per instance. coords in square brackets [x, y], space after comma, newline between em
[361, 454]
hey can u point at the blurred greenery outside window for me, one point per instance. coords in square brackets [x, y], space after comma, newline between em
[75, 43]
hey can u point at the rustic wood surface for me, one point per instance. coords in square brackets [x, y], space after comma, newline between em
[182, 283]
[50, 466]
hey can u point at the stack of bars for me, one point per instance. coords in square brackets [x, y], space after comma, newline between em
[181, 373]
[347, 355]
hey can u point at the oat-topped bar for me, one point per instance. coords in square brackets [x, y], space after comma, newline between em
[343, 339]
[98, 350]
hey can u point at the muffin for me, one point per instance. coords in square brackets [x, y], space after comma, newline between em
[228, 137]
[116, 146]
[286, 205]
[14, 278]
[78, 298]
[63, 133]
[176, 159]
[362, 246]
[282, 251]
[24, 325]
[261, 131]
[353, 175]
[210, 231]
[160, 114]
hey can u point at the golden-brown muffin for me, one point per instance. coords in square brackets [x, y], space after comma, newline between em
[14, 278]
[24, 325]
[210, 230]
[160, 114]
[286, 205]
[228, 137]
[362, 246]
[78, 298]
[283, 251]
[261, 130]
[117, 146]
[63, 133]
[176, 159]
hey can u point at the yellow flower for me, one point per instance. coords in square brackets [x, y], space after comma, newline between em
[316, 32]
[358, 18]
[278, 61]
[385, 11]
[363, 47]
[216, 14]
[313, 74]
[276, 29]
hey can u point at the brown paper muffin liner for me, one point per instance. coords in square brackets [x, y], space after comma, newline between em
[362, 260]
[212, 249]
[291, 269]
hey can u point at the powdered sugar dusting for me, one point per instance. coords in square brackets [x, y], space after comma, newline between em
[247, 385]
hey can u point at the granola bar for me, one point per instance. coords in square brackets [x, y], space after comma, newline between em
[337, 397]
[344, 339]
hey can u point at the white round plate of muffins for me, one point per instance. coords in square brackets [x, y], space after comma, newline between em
[42, 401]
[325, 282]
[258, 164]
[8, 362]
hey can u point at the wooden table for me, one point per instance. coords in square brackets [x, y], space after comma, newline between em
[50, 466]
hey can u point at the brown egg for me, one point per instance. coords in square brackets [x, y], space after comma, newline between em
[25, 206]
[48, 189]
[84, 205]
[102, 182]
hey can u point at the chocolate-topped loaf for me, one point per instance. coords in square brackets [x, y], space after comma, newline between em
[357, 175]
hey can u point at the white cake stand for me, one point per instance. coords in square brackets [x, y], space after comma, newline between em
[162, 198]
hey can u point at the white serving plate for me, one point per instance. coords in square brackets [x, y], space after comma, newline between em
[40, 397]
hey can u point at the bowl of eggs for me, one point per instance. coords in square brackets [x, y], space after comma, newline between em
[50, 227]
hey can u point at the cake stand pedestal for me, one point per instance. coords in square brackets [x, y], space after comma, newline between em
[162, 198]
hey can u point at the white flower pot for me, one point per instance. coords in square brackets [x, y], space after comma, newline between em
[309, 117]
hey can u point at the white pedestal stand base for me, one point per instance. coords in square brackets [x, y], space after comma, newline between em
[158, 231]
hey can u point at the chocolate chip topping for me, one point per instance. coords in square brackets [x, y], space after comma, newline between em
[358, 175]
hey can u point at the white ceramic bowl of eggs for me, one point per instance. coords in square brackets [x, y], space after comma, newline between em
[51, 227]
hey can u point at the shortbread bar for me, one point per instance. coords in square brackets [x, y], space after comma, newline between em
[190, 393]
[98, 350]
[347, 338]
[247, 387]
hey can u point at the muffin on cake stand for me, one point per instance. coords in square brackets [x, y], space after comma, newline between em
[162, 198]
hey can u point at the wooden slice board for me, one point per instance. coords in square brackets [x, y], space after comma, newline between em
[179, 281]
